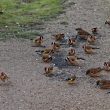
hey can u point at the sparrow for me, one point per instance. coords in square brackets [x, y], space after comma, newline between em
[94, 30]
[72, 41]
[38, 41]
[107, 66]
[83, 34]
[55, 46]
[103, 84]
[91, 39]
[71, 52]
[48, 71]
[46, 58]
[94, 72]
[71, 80]
[59, 37]
[3, 77]
[89, 49]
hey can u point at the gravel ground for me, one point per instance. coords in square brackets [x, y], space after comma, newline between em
[29, 89]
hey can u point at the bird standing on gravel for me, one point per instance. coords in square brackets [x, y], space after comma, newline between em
[48, 71]
[3, 77]
[59, 36]
[103, 84]
[89, 49]
[94, 72]
[107, 66]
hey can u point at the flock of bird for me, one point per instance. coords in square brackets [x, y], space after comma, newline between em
[71, 59]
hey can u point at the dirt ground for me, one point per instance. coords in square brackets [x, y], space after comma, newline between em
[29, 89]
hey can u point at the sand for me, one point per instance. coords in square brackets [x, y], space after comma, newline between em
[29, 89]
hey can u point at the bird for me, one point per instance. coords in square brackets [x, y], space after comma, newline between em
[59, 36]
[71, 80]
[83, 34]
[94, 30]
[38, 41]
[56, 46]
[103, 84]
[3, 77]
[48, 71]
[94, 72]
[91, 39]
[46, 58]
[107, 66]
[71, 52]
[72, 60]
[72, 41]
[89, 49]
[107, 22]
[48, 50]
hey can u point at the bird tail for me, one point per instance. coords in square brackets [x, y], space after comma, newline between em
[80, 58]
[95, 48]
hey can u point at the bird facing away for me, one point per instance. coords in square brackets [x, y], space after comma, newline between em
[107, 66]
[103, 84]
[46, 58]
[38, 41]
[3, 77]
[94, 72]
[59, 36]
[89, 49]
[83, 34]
[48, 71]
[71, 80]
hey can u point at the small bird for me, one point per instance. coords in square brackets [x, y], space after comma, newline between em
[72, 41]
[103, 84]
[107, 66]
[71, 52]
[94, 72]
[91, 39]
[83, 34]
[56, 46]
[94, 30]
[46, 58]
[38, 41]
[3, 77]
[89, 49]
[48, 71]
[71, 80]
[107, 22]
[59, 37]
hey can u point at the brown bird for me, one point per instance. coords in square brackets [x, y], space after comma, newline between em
[59, 37]
[48, 71]
[48, 50]
[38, 41]
[83, 34]
[103, 84]
[94, 30]
[72, 60]
[71, 80]
[55, 46]
[72, 41]
[71, 52]
[107, 66]
[3, 77]
[89, 49]
[91, 39]
[94, 72]
[46, 58]
[107, 22]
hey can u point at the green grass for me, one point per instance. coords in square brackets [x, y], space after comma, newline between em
[18, 18]
[15, 12]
